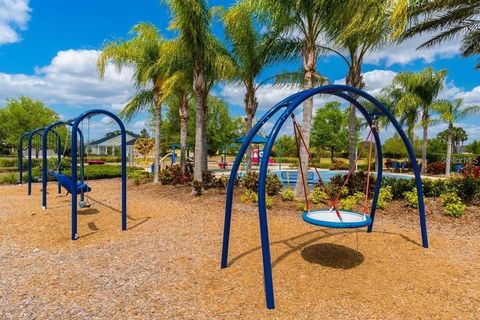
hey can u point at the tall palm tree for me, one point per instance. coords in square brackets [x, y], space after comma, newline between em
[300, 24]
[178, 88]
[415, 95]
[450, 113]
[359, 27]
[142, 51]
[251, 53]
[208, 60]
[448, 19]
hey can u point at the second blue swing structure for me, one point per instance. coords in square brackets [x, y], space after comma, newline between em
[288, 106]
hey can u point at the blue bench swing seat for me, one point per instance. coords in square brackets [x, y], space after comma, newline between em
[66, 183]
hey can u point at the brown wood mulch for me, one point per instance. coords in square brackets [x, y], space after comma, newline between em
[166, 265]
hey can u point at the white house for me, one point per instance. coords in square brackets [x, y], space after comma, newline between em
[110, 145]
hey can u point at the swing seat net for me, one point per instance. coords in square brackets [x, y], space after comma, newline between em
[327, 218]
[334, 217]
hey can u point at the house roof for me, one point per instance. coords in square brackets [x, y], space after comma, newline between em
[131, 138]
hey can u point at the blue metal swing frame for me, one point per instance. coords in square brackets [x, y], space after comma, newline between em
[289, 105]
[46, 130]
[75, 124]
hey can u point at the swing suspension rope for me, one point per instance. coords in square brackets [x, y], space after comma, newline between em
[334, 200]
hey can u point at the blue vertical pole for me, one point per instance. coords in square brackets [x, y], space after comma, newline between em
[124, 178]
[233, 176]
[74, 180]
[20, 158]
[59, 160]
[29, 163]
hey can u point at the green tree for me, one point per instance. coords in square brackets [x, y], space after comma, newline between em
[450, 113]
[448, 19]
[221, 127]
[209, 60]
[22, 115]
[142, 51]
[330, 128]
[286, 144]
[251, 53]
[415, 94]
[474, 147]
[358, 27]
[144, 133]
[395, 148]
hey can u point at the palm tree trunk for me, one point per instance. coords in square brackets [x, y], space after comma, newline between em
[309, 67]
[158, 124]
[204, 139]
[332, 153]
[250, 109]
[199, 88]
[354, 79]
[183, 112]
[449, 150]
[425, 121]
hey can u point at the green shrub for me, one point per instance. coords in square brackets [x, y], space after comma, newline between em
[11, 178]
[268, 202]
[350, 202]
[384, 197]
[273, 184]
[250, 181]
[412, 198]
[433, 188]
[318, 195]
[399, 186]
[173, 175]
[139, 177]
[338, 165]
[356, 183]
[452, 204]
[221, 182]
[8, 162]
[301, 206]
[288, 194]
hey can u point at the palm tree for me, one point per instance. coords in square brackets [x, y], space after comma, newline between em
[448, 19]
[178, 88]
[251, 53]
[415, 95]
[296, 27]
[142, 52]
[208, 60]
[359, 27]
[450, 113]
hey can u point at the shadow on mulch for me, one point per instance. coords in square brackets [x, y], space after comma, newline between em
[333, 256]
[87, 212]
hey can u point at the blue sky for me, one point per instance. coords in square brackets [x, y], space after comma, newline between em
[48, 50]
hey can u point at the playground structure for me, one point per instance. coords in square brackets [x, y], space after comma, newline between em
[76, 184]
[332, 217]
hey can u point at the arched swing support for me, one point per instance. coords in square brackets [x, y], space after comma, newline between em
[30, 136]
[288, 106]
[46, 130]
[20, 157]
[75, 124]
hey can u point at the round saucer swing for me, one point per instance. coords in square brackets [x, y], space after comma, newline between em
[332, 217]
[335, 217]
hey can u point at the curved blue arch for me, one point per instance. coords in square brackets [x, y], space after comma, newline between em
[291, 104]
[29, 155]
[46, 130]
[75, 124]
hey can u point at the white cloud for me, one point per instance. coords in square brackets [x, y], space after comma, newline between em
[406, 52]
[14, 16]
[71, 79]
